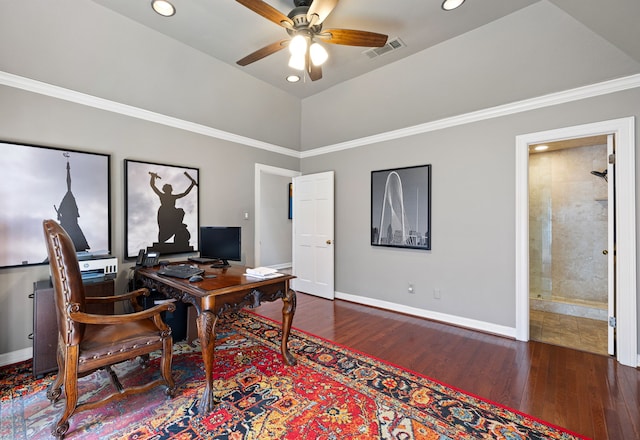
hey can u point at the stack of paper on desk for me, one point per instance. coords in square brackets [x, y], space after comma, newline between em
[262, 272]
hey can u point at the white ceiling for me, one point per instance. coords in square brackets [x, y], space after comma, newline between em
[228, 31]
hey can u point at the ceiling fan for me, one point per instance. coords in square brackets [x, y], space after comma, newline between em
[304, 25]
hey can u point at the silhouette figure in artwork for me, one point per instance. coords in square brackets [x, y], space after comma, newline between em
[68, 215]
[170, 218]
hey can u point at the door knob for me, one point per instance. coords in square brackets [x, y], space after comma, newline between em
[328, 241]
[605, 252]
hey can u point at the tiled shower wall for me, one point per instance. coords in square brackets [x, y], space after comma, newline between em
[568, 225]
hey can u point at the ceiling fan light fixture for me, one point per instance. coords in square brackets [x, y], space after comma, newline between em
[298, 46]
[163, 7]
[297, 62]
[318, 54]
[450, 5]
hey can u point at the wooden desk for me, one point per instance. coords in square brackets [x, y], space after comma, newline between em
[229, 291]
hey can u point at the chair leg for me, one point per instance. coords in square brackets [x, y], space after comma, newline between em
[165, 366]
[114, 379]
[71, 392]
[55, 388]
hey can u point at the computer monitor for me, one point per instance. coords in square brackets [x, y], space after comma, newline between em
[220, 243]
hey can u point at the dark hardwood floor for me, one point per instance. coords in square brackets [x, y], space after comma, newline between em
[586, 393]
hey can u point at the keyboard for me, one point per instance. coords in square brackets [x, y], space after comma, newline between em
[180, 271]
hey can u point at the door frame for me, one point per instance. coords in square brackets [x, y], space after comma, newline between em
[259, 170]
[611, 245]
[626, 304]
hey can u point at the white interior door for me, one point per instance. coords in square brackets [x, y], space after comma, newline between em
[313, 256]
[611, 245]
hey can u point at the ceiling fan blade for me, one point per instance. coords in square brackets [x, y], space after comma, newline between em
[265, 51]
[350, 37]
[315, 72]
[320, 8]
[268, 12]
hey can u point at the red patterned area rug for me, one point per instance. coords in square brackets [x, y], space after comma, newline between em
[333, 393]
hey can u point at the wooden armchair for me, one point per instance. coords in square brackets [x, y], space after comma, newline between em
[87, 342]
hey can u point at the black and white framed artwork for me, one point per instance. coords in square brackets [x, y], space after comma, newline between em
[401, 207]
[161, 208]
[40, 182]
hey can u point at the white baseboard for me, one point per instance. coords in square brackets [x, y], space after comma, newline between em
[472, 324]
[281, 266]
[15, 356]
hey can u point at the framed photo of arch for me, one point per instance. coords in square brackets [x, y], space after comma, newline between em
[41, 182]
[161, 208]
[401, 207]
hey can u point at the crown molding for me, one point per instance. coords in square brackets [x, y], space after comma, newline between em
[590, 91]
[576, 94]
[42, 88]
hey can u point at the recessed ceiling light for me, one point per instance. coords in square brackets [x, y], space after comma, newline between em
[293, 78]
[449, 5]
[163, 7]
[541, 147]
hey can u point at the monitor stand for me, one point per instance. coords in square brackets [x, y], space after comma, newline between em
[219, 264]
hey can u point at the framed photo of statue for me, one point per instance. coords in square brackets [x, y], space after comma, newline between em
[41, 182]
[401, 207]
[161, 208]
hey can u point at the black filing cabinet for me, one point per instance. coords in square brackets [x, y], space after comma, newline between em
[45, 325]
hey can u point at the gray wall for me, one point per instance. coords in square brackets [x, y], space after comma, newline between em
[276, 232]
[86, 48]
[226, 180]
[472, 259]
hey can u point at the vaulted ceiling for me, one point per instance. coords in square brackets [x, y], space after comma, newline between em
[228, 31]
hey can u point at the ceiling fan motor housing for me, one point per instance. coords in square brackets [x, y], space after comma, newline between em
[300, 21]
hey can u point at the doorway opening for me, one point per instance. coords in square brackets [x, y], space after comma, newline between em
[568, 244]
[625, 309]
[271, 247]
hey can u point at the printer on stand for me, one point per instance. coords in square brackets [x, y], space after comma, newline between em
[98, 267]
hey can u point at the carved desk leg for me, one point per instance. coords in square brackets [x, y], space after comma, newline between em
[288, 310]
[206, 332]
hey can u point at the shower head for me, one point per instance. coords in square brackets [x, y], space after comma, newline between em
[601, 174]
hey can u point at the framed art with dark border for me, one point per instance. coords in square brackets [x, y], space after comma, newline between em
[161, 208]
[401, 207]
[41, 182]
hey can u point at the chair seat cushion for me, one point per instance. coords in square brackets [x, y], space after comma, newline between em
[103, 340]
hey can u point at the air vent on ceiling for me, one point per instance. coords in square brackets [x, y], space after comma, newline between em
[393, 44]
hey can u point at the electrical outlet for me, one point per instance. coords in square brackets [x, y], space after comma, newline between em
[437, 293]
[410, 289]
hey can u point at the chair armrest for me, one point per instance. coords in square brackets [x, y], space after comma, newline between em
[91, 318]
[115, 298]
